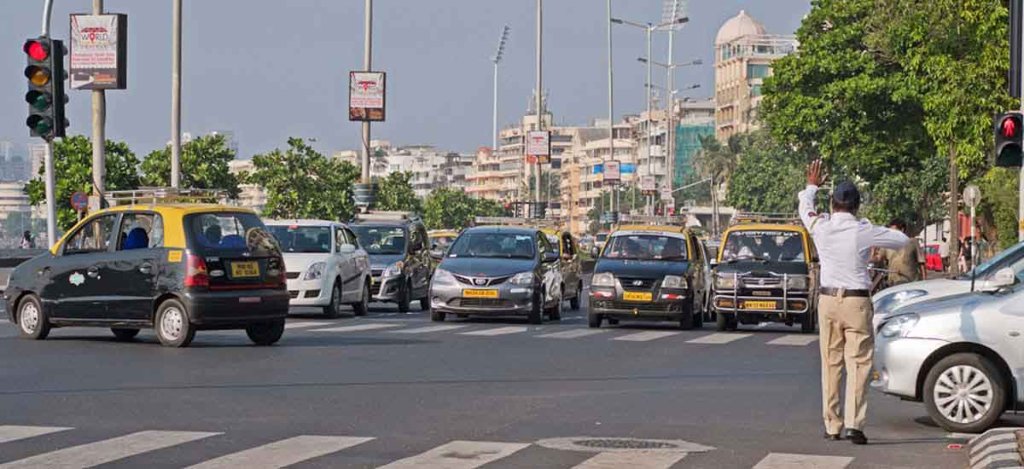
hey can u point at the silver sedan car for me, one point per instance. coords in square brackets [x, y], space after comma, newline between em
[963, 355]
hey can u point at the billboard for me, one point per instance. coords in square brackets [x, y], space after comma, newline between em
[366, 96]
[647, 184]
[99, 52]
[611, 172]
[628, 168]
[538, 146]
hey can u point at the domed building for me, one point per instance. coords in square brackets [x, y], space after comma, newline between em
[744, 52]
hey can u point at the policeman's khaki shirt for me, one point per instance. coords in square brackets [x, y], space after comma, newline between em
[844, 243]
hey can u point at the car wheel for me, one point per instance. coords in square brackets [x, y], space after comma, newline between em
[425, 304]
[267, 333]
[807, 323]
[574, 302]
[333, 309]
[437, 316]
[363, 306]
[172, 324]
[725, 322]
[555, 313]
[403, 299]
[537, 311]
[686, 320]
[124, 334]
[594, 320]
[964, 393]
[32, 321]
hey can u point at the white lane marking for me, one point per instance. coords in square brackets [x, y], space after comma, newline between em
[498, 331]
[802, 461]
[572, 334]
[718, 338]
[632, 460]
[102, 452]
[301, 324]
[646, 336]
[357, 327]
[18, 432]
[795, 339]
[283, 453]
[428, 329]
[458, 455]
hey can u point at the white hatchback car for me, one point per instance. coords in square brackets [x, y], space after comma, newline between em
[325, 265]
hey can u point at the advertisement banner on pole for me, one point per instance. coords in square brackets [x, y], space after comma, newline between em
[366, 96]
[666, 194]
[99, 52]
[647, 184]
[538, 146]
[611, 172]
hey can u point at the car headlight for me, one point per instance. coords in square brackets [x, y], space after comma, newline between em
[443, 276]
[523, 279]
[315, 271]
[725, 282]
[603, 279]
[898, 325]
[796, 282]
[393, 270]
[674, 281]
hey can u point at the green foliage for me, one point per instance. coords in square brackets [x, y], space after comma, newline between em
[204, 165]
[72, 166]
[301, 183]
[717, 161]
[767, 177]
[395, 193]
[999, 187]
[448, 208]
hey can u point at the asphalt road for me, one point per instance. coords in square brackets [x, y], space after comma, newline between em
[394, 388]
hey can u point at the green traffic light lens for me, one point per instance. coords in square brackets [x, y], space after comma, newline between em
[40, 125]
[38, 100]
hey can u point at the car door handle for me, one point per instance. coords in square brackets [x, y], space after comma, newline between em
[146, 268]
[93, 272]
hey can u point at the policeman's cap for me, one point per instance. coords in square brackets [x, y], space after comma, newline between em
[846, 196]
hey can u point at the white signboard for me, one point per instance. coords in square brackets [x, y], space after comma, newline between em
[647, 183]
[366, 96]
[611, 172]
[538, 145]
[666, 194]
[972, 196]
[98, 52]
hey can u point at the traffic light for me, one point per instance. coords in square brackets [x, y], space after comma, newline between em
[45, 96]
[1009, 128]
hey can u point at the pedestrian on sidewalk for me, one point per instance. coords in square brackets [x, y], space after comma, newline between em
[26, 240]
[844, 306]
[906, 264]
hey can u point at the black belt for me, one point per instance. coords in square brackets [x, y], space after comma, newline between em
[843, 293]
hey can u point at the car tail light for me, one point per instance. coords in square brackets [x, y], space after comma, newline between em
[275, 267]
[195, 272]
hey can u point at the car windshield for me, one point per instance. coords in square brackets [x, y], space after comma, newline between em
[765, 245]
[380, 239]
[1007, 258]
[647, 247]
[302, 238]
[496, 245]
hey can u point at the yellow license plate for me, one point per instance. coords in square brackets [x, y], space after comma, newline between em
[638, 296]
[245, 269]
[480, 293]
[758, 305]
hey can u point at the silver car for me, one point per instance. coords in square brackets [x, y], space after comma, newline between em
[963, 355]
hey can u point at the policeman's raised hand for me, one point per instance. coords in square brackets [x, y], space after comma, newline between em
[816, 173]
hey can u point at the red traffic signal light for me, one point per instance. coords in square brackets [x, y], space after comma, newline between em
[1010, 127]
[37, 50]
[46, 98]
[1009, 148]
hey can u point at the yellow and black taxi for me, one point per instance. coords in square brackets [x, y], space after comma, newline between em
[441, 239]
[649, 272]
[174, 266]
[765, 272]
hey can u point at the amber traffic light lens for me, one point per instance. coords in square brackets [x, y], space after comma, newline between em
[39, 76]
[37, 50]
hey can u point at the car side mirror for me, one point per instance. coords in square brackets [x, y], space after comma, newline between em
[346, 248]
[1002, 278]
[549, 257]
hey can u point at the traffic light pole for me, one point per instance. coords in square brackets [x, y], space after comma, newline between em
[51, 199]
[176, 95]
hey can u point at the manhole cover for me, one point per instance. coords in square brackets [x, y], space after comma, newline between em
[620, 445]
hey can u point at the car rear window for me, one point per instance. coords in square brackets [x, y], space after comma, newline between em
[229, 234]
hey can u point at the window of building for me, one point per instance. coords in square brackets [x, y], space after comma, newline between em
[758, 70]
[755, 90]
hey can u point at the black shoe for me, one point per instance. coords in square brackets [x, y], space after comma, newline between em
[832, 437]
[856, 437]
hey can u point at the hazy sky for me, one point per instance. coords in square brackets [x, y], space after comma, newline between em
[269, 70]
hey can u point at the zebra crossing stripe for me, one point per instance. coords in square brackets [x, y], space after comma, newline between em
[102, 452]
[572, 334]
[632, 460]
[802, 461]
[17, 432]
[358, 327]
[646, 336]
[458, 455]
[498, 331]
[302, 324]
[718, 338]
[428, 329]
[283, 453]
[794, 339]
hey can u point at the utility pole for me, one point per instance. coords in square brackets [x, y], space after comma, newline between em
[99, 137]
[650, 119]
[611, 110]
[176, 96]
[367, 66]
[540, 93]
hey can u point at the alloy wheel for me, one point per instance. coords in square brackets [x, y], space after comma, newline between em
[963, 394]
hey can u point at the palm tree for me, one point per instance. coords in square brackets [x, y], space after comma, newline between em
[717, 162]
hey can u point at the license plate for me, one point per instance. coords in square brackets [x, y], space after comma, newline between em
[480, 293]
[644, 296]
[758, 305]
[250, 299]
[245, 269]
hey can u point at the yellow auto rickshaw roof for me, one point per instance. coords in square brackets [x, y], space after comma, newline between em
[767, 227]
[651, 228]
[442, 233]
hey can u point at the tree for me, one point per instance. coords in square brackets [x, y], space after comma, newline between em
[301, 183]
[72, 166]
[999, 196]
[767, 176]
[395, 193]
[204, 165]
[448, 208]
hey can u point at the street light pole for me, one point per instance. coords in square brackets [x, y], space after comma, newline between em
[176, 95]
[497, 59]
[650, 119]
[611, 109]
[367, 66]
[540, 94]
[99, 138]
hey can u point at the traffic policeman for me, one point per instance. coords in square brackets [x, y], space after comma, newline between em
[845, 312]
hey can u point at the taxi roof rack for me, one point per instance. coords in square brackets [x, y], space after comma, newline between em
[374, 215]
[165, 195]
[665, 220]
[765, 217]
[517, 221]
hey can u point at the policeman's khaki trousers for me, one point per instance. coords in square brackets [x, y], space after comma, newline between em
[846, 339]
